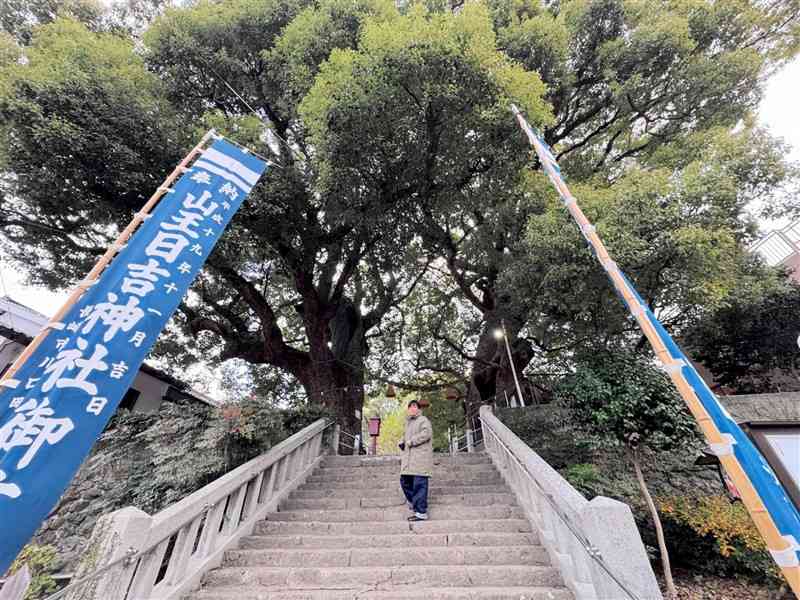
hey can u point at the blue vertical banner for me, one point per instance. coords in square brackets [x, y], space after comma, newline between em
[56, 405]
[738, 454]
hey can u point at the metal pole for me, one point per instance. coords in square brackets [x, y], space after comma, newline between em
[104, 260]
[511, 360]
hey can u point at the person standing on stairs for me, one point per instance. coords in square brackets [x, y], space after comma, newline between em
[416, 464]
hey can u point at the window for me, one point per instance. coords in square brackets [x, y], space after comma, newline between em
[780, 445]
[129, 399]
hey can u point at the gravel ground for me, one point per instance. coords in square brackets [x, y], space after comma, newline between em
[704, 587]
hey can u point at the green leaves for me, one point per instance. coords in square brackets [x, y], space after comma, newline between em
[426, 92]
[750, 342]
[87, 134]
[624, 400]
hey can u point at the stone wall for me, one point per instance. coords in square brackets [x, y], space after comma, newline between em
[118, 461]
[551, 433]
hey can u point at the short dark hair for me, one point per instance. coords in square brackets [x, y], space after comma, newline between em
[413, 402]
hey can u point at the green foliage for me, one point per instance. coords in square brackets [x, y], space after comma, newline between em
[404, 208]
[393, 424]
[583, 476]
[444, 414]
[551, 432]
[623, 400]
[750, 342]
[19, 18]
[44, 103]
[187, 445]
[40, 561]
[712, 535]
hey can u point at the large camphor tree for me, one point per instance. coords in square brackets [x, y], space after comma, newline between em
[402, 186]
[376, 116]
[653, 127]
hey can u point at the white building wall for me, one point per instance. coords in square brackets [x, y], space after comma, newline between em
[151, 389]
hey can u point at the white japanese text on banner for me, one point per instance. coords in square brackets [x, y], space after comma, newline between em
[53, 409]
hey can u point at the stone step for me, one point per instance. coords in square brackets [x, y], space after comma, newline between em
[400, 513]
[394, 470]
[388, 593]
[397, 499]
[361, 527]
[389, 557]
[331, 473]
[435, 491]
[397, 540]
[394, 460]
[441, 482]
[343, 578]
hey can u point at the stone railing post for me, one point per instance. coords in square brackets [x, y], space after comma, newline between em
[17, 585]
[337, 432]
[133, 556]
[610, 527]
[121, 532]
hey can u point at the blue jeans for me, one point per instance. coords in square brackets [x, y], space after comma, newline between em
[415, 487]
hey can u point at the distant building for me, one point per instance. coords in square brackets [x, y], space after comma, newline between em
[20, 324]
[782, 247]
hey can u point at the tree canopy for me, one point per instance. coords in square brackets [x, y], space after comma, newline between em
[402, 221]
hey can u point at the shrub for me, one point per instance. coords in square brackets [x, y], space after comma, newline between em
[41, 562]
[187, 445]
[583, 476]
[713, 535]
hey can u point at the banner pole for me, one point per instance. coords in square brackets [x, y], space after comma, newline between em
[761, 517]
[104, 260]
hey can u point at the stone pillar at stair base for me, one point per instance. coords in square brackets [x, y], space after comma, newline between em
[610, 526]
[115, 535]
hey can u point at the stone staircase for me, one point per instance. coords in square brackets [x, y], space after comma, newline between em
[344, 534]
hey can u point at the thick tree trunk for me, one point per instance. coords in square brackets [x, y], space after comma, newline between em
[492, 375]
[335, 375]
[672, 593]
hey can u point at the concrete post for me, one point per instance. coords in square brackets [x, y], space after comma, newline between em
[119, 533]
[610, 527]
[470, 443]
[357, 445]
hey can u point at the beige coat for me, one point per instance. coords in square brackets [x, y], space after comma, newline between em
[417, 458]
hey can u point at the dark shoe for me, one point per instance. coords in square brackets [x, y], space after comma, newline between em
[418, 517]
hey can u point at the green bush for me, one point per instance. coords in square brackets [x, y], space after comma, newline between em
[583, 476]
[41, 561]
[187, 445]
[550, 431]
[710, 534]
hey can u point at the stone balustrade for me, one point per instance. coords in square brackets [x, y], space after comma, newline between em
[595, 544]
[135, 556]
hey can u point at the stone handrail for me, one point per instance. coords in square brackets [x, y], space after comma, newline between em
[595, 544]
[133, 556]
